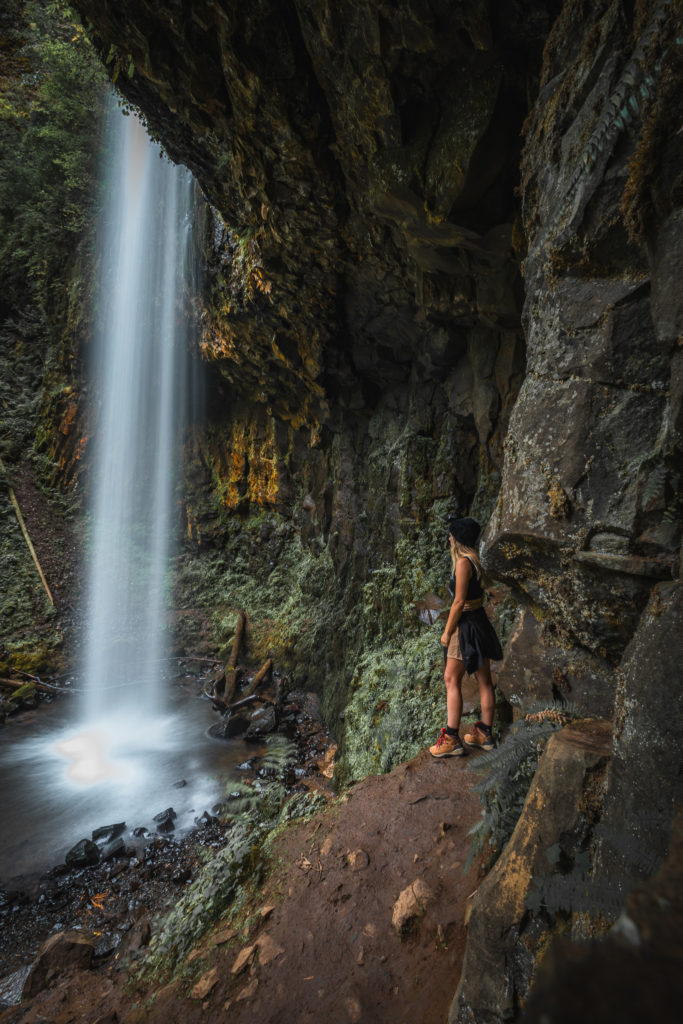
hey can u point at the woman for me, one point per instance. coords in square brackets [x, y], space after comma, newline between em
[470, 643]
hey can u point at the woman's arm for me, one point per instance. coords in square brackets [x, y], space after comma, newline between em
[463, 575]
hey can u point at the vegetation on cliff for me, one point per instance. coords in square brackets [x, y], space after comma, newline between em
[51, 90]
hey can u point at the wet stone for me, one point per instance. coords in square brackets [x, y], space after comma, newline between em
[263, 722]
[205, 819]
[117, 848]
[180, 784]
[165, 820]
[108, 832]
[83, 854]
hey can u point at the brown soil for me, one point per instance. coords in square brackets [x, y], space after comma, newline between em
[327, 946]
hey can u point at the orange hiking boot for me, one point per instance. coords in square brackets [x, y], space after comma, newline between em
[479, 737]
[447, 746]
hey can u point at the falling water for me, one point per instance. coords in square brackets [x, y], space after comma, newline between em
[138, 368]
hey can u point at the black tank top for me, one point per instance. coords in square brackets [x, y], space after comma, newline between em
[474, 587]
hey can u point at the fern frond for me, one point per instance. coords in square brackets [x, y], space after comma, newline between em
[280, 756]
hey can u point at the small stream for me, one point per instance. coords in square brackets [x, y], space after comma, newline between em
[63, 780]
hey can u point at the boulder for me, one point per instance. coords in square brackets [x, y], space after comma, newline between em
[116, 848]
[108, 832]
[83, 854]
[263, 722]
[61, 952]
[557, 822]
[165, 819]
[634, 973]
[644, 783]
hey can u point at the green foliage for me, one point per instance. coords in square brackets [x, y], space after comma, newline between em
[397, 704]
[49, 121]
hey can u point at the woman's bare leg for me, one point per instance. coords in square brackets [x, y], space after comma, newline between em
[453, 677]
[487, 697]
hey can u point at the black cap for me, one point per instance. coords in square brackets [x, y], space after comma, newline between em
[466, 531]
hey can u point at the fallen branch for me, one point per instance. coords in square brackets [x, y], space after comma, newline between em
[231, 667]
[22, 524]
[249, 700]
[13, 684]
[258, 678]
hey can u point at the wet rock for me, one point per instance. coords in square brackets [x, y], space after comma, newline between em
[180, 784]
[117, 848]
[205, 819]
[618, 974]
[61, 952]
[165, 820]
[263, 721]
[410, 905]
[83, 854]
[107, 944]
[230, 726]
[108, 832]
[140, 832]
[556, 825]
[11, 987]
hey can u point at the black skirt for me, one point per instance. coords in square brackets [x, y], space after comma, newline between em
[478, 640]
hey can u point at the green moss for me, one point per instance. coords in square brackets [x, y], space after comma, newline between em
[397, 704]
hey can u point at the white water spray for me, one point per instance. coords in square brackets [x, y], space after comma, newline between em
[138, 369]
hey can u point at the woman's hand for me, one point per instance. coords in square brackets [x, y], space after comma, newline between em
[445, 639]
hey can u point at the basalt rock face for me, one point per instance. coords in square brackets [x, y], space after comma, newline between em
[588, 515]
[364, 294]
[361, 164]
[363, 161]
[361, 315]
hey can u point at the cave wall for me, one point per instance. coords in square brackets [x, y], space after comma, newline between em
[376, 297]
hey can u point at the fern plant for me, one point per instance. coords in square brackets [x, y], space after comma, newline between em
[267, 792]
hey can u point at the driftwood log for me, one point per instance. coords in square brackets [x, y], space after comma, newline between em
[231, 667]
[259, 677]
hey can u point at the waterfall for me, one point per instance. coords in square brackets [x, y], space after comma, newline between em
[138, 367]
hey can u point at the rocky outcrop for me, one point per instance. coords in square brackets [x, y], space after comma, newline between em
[586, 518]
[633, 970]
[644, 788]
[62, 952]
[551, 839]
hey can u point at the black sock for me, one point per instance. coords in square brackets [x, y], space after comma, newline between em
[484, 728]
[451, 732]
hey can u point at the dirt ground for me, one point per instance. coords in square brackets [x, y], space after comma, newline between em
[323, 944]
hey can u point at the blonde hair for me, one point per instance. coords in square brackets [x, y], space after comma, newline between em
[459, 550]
